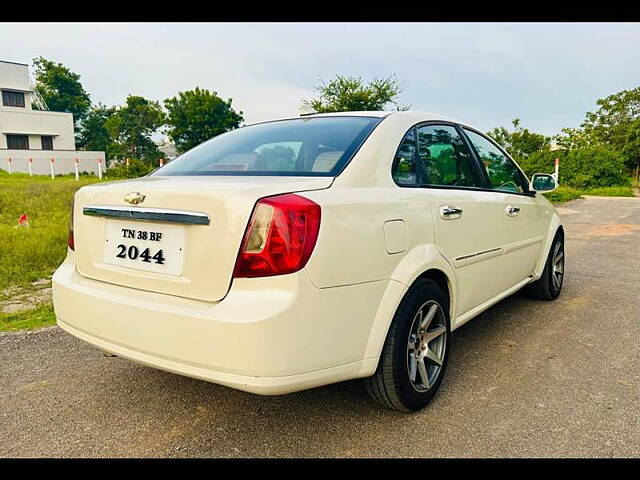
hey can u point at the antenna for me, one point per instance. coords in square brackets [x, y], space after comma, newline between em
[305, 110]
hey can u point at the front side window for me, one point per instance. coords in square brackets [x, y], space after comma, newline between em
[315, 146]
[502, 172]
[12, 99]
[444, 159]
[17, 142]
[47, 142]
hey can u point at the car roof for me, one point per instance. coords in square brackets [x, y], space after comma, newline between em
[414, 115]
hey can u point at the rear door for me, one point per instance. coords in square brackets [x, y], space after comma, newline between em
[521, 213]
[467, 220]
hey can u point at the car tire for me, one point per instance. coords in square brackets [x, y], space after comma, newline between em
[549, 285]
[419, 332]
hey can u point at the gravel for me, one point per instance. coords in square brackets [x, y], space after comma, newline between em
[525, 379]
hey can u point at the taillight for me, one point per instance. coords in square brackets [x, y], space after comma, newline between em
[280, 236]
[70, 242]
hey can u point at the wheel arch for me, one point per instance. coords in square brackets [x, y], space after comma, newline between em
[555, 227]
[437, 270]
[441, 279]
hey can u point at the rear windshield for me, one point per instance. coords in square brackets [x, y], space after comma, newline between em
[319, 146]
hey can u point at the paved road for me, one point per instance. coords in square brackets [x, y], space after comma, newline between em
[526, 378]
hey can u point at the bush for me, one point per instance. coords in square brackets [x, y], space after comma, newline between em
[584, 168]
[137, 168]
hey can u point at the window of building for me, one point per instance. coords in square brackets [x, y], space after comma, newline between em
[47, 142]
[12, 99]
[18, 142]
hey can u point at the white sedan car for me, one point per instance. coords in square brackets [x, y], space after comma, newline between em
[301, 252]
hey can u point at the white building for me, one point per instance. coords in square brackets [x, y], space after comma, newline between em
[37, 137]
[167, 148]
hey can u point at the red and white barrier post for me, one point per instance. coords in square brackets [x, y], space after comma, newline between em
[9, 164]
[52, 174]
[161, 162]
[30, 170]
[76, 166]
[556, 171]
[100, 168]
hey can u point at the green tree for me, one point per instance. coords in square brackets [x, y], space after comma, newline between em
[349, 94]
[197, 115]
[132, 125]
[520, 142]
[573, 138]
[61, 89]
[611, 124]
[631, 147]
[93, 132]
[588, 167]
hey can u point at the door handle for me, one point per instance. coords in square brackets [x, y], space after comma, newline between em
[511, 210]
[449, 212]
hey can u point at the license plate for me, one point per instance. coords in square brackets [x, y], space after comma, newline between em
[147, 246]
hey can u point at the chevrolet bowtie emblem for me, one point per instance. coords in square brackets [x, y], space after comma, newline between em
[134, 198]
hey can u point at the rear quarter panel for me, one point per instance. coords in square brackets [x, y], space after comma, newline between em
[351, 248]
[351, 245]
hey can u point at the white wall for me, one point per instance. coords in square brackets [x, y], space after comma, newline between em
[64, 162]
[36, 123]
[14, 76]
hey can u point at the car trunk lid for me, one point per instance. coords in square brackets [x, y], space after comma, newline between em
[183, 236]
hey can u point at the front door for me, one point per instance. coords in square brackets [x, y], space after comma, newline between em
[522, 239]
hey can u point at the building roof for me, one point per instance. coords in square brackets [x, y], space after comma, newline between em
[14, 63]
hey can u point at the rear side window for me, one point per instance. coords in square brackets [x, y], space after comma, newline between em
[444, 158]
[404, 164]
[317, 146]
[503, 173]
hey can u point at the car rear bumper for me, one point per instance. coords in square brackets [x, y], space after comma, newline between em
[268, 336]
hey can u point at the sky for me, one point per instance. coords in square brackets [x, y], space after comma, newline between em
[485, 74]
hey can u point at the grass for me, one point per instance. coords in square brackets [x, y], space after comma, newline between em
[42, 316]
[610, 192]
[564, 193]
[30, 253]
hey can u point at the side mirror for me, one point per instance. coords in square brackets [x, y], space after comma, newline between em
[543, 182]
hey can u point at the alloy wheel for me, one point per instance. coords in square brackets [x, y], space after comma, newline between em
[426, 346]
[557, 266]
